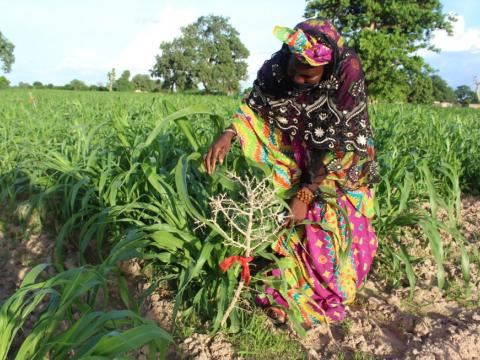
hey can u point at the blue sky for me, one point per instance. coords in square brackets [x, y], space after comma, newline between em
[59, 40]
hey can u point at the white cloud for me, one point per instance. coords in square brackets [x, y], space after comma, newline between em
[138, 56]
[463, 39]
[83, 59]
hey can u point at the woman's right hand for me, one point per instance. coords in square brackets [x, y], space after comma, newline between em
[218, 150]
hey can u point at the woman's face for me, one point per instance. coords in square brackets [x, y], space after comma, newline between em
[301, 74]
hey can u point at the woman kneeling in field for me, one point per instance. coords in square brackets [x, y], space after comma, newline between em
[307, 118]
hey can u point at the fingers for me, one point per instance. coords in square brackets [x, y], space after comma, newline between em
[221, 155]
[208, 161]
[215, 152]
[289, 222]
[218, 150]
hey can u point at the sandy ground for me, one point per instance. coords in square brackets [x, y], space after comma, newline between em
[393, 327]
[21, 248]
[381, 324]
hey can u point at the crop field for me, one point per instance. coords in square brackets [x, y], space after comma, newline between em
[113, 187]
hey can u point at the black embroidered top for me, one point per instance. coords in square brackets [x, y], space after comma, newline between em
[330, 116]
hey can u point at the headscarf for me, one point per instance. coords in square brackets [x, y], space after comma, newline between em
[306, 47]
[329, 116]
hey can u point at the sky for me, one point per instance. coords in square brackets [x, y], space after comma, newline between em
[60, 40]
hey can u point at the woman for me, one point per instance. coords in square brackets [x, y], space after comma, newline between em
[307, 118]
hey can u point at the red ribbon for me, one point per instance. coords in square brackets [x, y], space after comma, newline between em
[225, 265]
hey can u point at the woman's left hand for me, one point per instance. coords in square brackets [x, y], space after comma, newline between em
[298, 212]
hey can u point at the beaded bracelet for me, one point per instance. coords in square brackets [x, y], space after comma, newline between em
[305, 195]
[229, 129]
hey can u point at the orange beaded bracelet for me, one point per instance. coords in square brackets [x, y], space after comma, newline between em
[305, 195]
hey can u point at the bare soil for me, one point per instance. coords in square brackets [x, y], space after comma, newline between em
[395, 327]
[21, 248]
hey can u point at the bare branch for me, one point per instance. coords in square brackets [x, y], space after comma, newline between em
[249, 221]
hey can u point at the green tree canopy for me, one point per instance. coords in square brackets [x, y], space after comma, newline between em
[441, 90]
[465, 95]
[6, 53]
[24, 85]
[97, 87]
[4, 82]
[76, 84]
[38, 85]
[386, 35]
[208, 53]
[143, 82]
[421, 88]
[123, 83]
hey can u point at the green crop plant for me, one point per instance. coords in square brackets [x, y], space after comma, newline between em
[97, 165]
[67, 321]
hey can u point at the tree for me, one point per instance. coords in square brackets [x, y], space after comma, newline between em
[175, 69]
[97, 87]
[477, 87]
[4, 82]
[76, 84]
[465, 95]
[421, 88]
[6, 53]
[24, 85]
[441, 90]
[143, 82]
[37, 85]
[386, 35]
[123, 83]
[111, 79]
[208, 53]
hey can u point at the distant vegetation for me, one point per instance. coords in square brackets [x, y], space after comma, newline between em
[139, 82]
[440, 91]
[208, 56]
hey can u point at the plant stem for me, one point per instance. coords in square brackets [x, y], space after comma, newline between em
[248, 243]
[234, 301]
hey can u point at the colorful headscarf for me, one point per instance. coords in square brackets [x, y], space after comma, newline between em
[305, 47]
[324, 28]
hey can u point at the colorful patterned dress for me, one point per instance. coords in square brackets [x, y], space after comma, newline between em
[280, 130]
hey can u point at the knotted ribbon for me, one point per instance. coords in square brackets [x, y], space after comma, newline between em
[225, 265]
